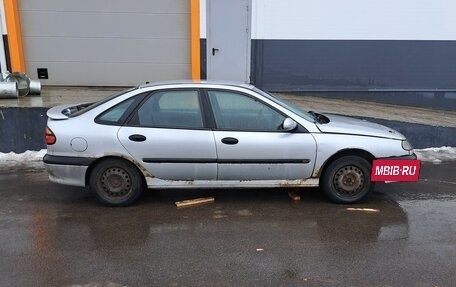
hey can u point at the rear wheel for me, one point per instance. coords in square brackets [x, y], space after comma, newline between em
[347, 180]
[116, 182]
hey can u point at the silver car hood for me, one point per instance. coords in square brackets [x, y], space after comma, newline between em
[346, 125]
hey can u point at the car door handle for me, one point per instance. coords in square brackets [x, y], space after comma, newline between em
[230, 141]
[137, 138]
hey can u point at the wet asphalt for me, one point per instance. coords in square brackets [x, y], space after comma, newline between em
[53, 235]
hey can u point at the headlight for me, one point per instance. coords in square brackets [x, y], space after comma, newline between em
[406, 145]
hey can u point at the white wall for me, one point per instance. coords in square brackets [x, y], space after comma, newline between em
[354, 19]
[203, 19]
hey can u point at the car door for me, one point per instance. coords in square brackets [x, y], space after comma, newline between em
[167, 135]
[251, 144]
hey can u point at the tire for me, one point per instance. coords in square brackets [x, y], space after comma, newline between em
[347, 180]
[116, 182]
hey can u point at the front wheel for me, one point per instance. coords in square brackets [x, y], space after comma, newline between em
[347, 180]
[116, 182]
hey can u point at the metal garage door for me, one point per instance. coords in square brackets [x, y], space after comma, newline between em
[106, 42]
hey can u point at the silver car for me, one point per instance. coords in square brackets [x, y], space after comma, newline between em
[211, 135]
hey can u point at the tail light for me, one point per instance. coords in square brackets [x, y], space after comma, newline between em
[49, 137]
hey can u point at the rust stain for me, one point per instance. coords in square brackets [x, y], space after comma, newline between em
[292, 183]
[144, 171]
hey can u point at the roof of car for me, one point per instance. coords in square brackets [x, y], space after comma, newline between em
[198, 83]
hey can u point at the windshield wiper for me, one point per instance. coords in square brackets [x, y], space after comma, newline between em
[319, 118]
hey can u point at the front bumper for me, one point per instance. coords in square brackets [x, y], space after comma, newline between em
[408, 156]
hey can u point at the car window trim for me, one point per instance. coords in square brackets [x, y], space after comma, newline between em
[139, 97]
[207, 109]
[299, 129]
[102, 101]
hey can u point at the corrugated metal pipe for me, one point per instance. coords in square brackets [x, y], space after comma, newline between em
[8, 90]
[34, 87]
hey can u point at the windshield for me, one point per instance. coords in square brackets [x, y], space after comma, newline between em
[88, 106]
[287, 105]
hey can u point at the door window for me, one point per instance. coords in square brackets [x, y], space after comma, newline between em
[234, 111]
[170, 109]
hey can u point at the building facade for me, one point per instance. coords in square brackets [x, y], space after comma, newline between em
[402, 49]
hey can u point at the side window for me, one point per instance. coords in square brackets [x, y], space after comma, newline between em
[171, 109]
[234, 111]
[114, 114]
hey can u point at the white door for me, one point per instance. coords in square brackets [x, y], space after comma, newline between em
[228, 40]
[167, 136]
[251, 145]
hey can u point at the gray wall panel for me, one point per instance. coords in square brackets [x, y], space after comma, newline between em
[109, 74]
[105, 25]
[142, 6]
[101, 42]
[114, 50]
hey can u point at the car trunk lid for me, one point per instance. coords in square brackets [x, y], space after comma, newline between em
[63, 112]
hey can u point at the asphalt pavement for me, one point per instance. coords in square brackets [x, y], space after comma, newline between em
[52, 235]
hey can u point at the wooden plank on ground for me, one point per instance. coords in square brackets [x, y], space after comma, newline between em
[294, 196]
[194, 202]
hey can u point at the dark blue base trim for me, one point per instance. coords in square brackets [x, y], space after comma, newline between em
[203, 59]
[421, 136]
[347, 65]
[22, 129]
[434, 100]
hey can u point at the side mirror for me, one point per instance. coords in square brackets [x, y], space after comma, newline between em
[289, 125]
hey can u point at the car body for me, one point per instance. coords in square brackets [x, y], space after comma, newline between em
[211, 135]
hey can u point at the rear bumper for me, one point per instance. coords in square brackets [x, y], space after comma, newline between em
[67, 170]
[67, 160]
[67, 174]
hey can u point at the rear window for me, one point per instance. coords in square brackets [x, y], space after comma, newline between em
[81, 109]
[116, 114]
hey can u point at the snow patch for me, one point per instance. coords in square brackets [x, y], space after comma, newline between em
[436, 154]
[27, 156]
[29, 159]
